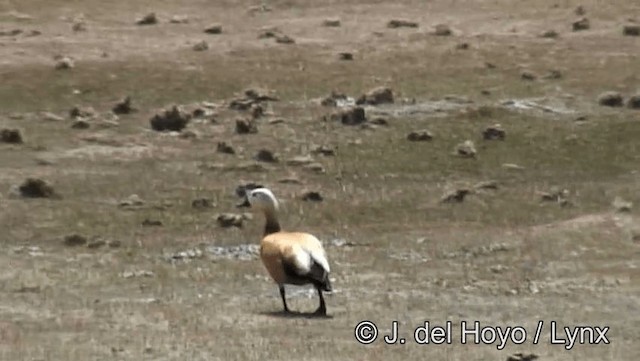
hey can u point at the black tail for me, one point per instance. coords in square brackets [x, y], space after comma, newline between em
[326, 284]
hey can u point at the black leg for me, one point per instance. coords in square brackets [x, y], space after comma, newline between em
[322, 309]
[284, 300]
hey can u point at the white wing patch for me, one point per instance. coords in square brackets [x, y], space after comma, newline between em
[318, 254]
[302, 259]
[305, 255]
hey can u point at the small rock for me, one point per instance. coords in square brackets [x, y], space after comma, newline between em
[401, 23]
[248, 166]
[284, 39]
[142, 273]
[246, 126]
[79, 26]
[457, 99]
[75, 240]
[466, 149]
[51, 117]
[80, 112]
[312, 196]
[11, 136]
[553, 74]
[123, 106]
[456, 196]
[581, 24]
[350, 116]
[631, 30]
[331, 23]
[611, 99]
[114, 244]
[213, 29]
[493, 185]
[263, 8]
[226, 148]
[265, 155]
[375, 96]
[65, 63]
[188, 134]
[634, 102]
[522, 357]
[345, 56]
[202, 203]
[512, 166]
[256, 111]
[241, 104]
[36, 188]
[174, 119]
[201, 46]
[579, 10]
[621, 205]
[463, 46]
[290, 180]
[149, 19]
[380, 121]
[227, 220]
[314, 167]
[528, 75]
[96, 243]
[419, 136]
[550, 34]
[260, 95]
[324, 150]
[266, 33]
[151, 223]
[300, 160]
[334, 99]
[179, 19]
[80, 124]
[499, 268]
[202, 112]
[133, 200]
[554, 195]
[13, 32]
[494, 132]
[442, 30]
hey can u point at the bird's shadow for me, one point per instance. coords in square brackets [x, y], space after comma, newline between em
[294, 314]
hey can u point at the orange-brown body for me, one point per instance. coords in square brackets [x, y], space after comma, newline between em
[295, 258]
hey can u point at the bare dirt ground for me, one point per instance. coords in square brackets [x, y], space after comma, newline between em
[545, 233]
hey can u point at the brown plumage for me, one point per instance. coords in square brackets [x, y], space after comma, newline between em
[294, 258]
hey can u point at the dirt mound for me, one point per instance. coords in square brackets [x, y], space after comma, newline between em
[11, 136]
[375, 96]
[350, 116]
[174, 119]
[37, 188]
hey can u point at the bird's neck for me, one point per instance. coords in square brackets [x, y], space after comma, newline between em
[272, 224]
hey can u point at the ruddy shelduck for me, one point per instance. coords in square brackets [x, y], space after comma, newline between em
[294, 258]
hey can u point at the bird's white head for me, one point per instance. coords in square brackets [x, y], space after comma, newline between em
[262, 199]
